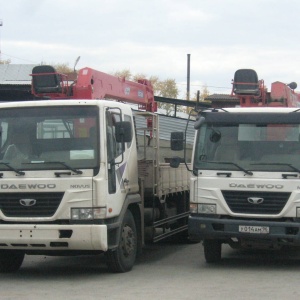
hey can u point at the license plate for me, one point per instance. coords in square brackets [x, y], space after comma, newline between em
[254, 229]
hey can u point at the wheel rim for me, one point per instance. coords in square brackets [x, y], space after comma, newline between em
[128, 241]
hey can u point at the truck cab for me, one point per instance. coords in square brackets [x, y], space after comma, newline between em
[245, 181]
[68, 175]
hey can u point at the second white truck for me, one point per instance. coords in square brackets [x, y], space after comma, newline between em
[245, 188]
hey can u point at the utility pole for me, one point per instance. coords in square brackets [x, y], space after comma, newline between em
[188, 77]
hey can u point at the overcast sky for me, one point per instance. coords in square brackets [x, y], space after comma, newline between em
[154, 37]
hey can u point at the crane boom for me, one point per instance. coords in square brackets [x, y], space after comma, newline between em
[92, 84]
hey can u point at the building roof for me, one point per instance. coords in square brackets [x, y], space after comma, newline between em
[15, 74]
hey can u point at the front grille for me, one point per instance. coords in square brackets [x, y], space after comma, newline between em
[273, 202]
[45, 206]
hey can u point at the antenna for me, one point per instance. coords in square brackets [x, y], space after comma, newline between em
[198, 99]
[76, 62]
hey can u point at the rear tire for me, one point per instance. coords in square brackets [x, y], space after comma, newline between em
[212, 250]
[10, 260]
[122, 259]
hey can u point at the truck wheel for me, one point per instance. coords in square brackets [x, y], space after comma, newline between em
[212, 250]
[122, 259]
[10, 260]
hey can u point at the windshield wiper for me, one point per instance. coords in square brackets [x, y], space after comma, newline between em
[278, 164]
[12, 168]
[57, 162]
[229, 163]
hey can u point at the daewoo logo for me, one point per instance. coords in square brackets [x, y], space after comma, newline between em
[255, 200]
[257, 186]
[27, 202]
[40, 186]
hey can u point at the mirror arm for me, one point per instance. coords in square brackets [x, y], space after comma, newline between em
[185, 134]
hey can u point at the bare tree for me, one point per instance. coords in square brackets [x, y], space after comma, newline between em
[5, 62]
[167, 88]
[63, 68]
[124, 74]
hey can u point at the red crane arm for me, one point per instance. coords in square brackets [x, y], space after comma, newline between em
[92, 84]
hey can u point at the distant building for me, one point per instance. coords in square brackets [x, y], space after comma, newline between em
[222, 100]
[15, 82]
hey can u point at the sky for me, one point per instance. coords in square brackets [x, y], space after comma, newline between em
[155, 37]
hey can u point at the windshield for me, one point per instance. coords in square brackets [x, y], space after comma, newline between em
[43, 138]
[250, 147]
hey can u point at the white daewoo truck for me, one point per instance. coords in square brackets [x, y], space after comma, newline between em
[245, 187]
[86, 177]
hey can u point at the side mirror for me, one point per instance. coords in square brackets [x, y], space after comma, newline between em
[199, 122]
[177, 141]
[175, 162]
[123, 132]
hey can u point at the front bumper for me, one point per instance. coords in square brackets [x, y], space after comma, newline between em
[53, 237]
[224, 229]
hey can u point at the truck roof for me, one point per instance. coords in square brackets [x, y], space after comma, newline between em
[256, 109]
[250, 115]
[65, 102]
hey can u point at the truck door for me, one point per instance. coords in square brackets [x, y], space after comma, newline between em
[116, 153]
[111, 152]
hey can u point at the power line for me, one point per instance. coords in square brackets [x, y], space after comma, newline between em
[211, 86]
[34, 62]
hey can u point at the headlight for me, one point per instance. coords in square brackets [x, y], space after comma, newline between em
[88, 213]
[193, 208]
[203, 208]
[206, 208]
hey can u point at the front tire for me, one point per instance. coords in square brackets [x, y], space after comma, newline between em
[10, 260]
[212, 250]
[122, 259]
